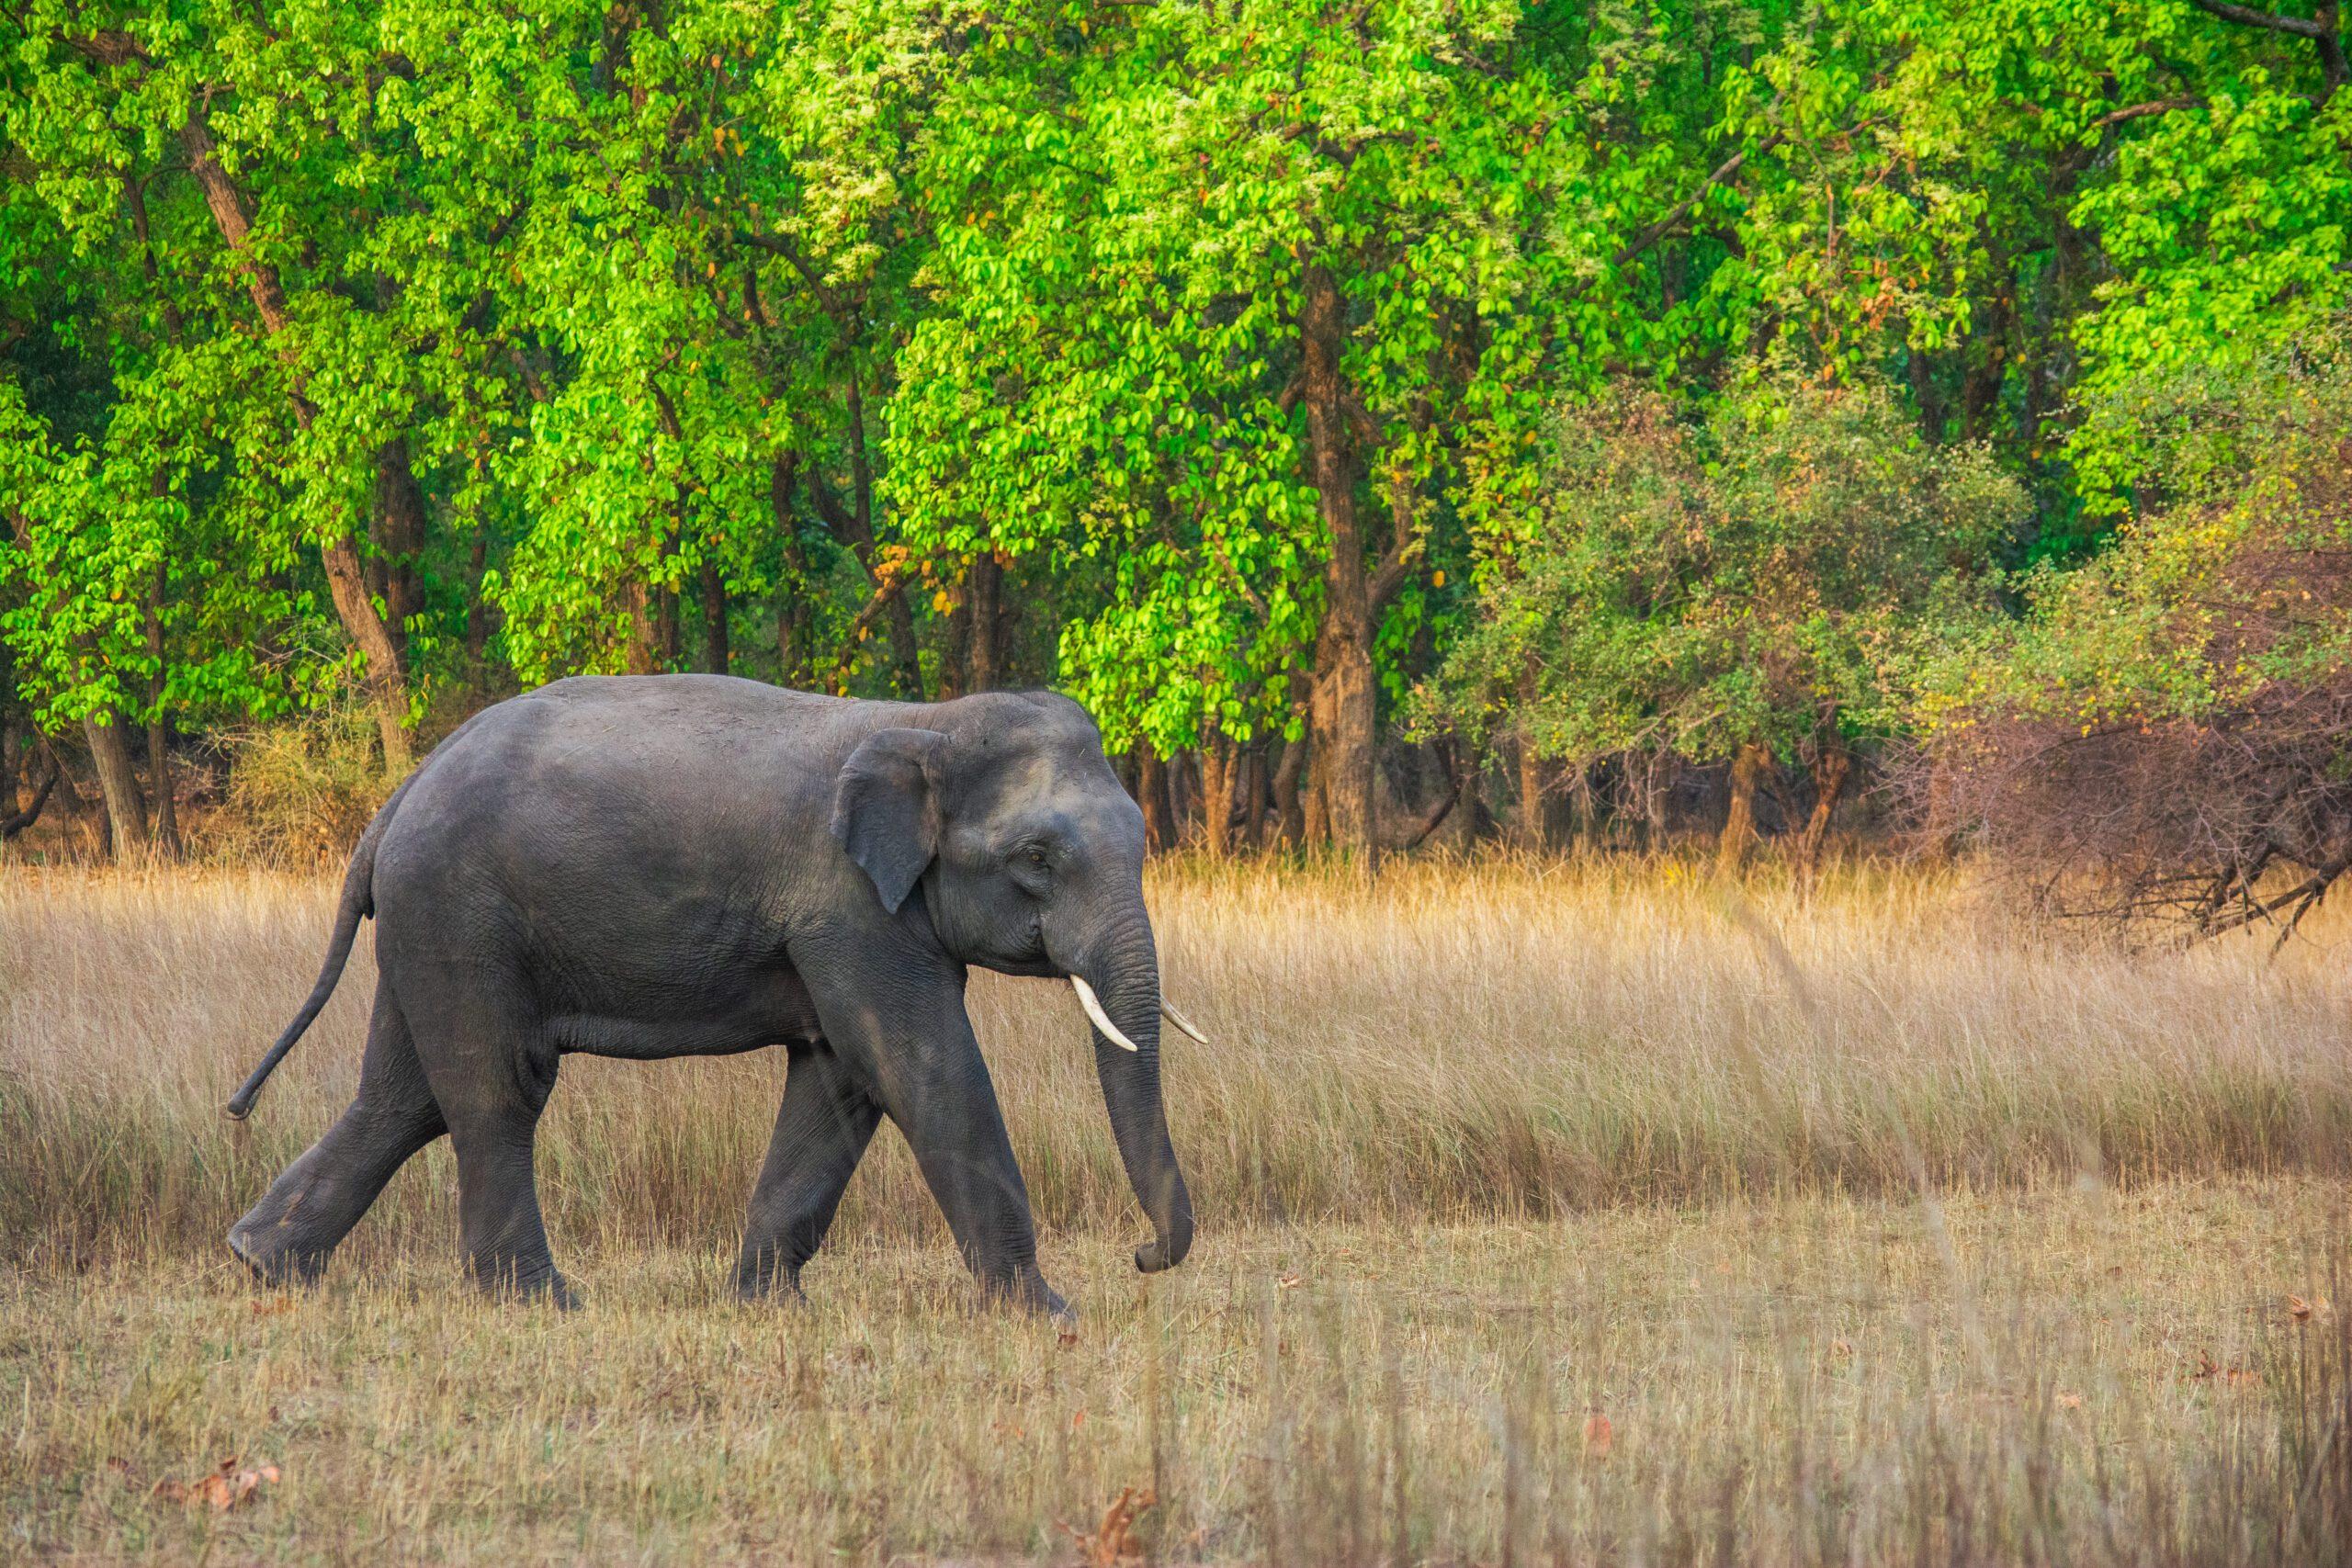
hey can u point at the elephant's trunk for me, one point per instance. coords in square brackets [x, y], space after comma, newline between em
[1124, 973]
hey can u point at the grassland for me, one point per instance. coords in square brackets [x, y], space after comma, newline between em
[1584, 1215]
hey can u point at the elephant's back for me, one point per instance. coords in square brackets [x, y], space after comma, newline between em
[611, 803]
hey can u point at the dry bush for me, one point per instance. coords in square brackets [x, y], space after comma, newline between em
[302, 791]
[2165, 733]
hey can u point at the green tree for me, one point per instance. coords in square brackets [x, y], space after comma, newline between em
[1756, 586]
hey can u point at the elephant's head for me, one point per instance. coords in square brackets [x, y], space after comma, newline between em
[1030, 859]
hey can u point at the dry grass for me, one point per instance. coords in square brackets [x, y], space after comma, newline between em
[1869, 1226]
[1453, 1045]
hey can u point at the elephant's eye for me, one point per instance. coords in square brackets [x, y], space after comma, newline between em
[1037, 856]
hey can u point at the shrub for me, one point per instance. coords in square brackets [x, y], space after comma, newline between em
[2165, 731]
[302, 791]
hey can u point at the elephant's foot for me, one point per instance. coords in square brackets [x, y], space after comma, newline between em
[512, 1279]
[773, 1288]
[277, 1254]
[1027, 1294]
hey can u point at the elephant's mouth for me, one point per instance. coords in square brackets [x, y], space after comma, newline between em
[1102, 1021]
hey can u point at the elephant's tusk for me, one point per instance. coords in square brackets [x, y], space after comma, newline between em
[1093, 1006]
[1180, 1021]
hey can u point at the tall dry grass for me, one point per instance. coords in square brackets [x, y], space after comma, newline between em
[1450, 1042]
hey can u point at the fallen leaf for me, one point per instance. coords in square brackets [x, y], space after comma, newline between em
[1600, 1435]
[1112, 1543]
[227, 1487]
[2070, 1401]
[2234, 1375]
[1078, 1420]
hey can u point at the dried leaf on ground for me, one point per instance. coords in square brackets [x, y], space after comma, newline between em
[227, 1487]
[1112, 1543]
[1600, 1435]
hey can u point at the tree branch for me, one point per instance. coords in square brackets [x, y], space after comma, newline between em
[2325, 29]
[1664, 226]
[2141, 111]
[19, 818]
[2247, 17]
[828, 300]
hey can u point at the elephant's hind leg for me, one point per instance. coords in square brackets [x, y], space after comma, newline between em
[492, 1068]
[290, 1234]
[826, 1120]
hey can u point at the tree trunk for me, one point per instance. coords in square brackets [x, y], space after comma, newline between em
[1657, 785]
[1252, 827]
[159, 754]
[985, 662]
[387, 682]
[1183, 792]
[1158, 810]
[88, 813]
[346, 582]
[854, 528]
[638, 658]
[1831, 764]
[715, 655]
[1585, 806]
[903, 647]
[1748, 770]
[1533, 773]
[126, 813]
[666, 641]
[1343, 700]
[400, 539]
[792, 650]
[1290, 813]
[1216, 794]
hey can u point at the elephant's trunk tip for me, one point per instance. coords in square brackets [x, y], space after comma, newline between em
[1167, 1251]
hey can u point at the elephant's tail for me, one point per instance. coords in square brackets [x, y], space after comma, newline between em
[358, 903]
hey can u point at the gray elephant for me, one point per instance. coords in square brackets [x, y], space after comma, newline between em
[670, 865]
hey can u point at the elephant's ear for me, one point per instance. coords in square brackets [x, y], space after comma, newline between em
[886, 810]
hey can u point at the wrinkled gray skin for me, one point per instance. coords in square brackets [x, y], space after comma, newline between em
[692, 865]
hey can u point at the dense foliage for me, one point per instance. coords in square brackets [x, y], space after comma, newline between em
[1601, 387]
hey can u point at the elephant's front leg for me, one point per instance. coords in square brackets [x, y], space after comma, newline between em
[893, 1007]
[949, 1115]
[827, 1119]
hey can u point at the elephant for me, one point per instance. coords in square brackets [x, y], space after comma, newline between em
[662, 865]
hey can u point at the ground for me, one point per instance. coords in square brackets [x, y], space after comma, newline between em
[1545, 1217]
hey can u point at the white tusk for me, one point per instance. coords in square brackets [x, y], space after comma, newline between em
[1180, 1021]
[1093, 1006]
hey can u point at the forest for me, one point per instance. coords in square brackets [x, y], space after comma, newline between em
[1399, 422]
